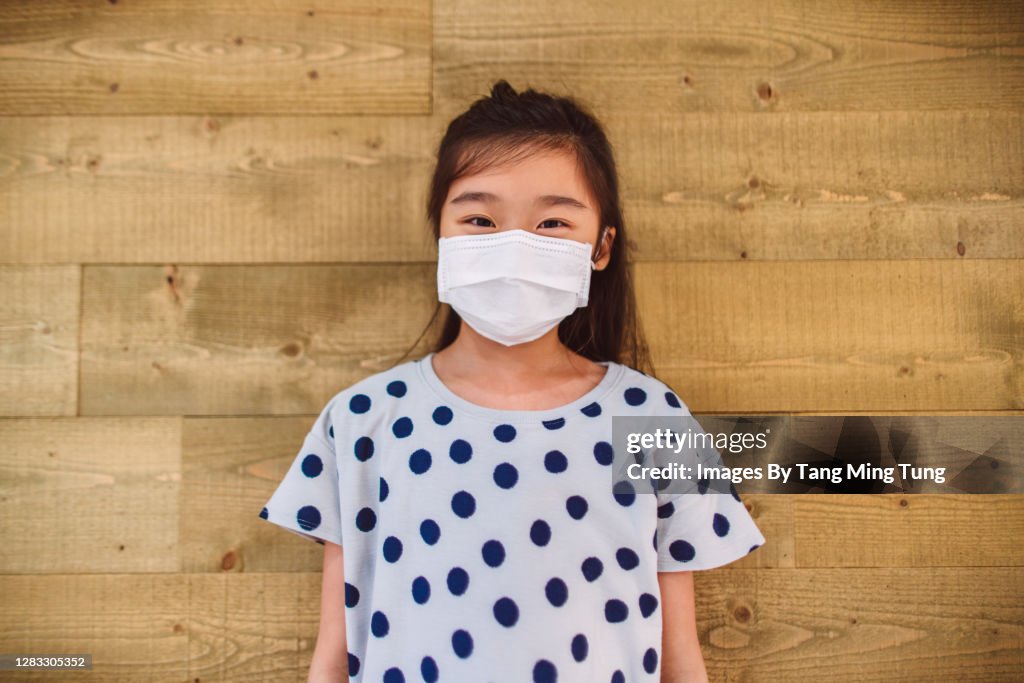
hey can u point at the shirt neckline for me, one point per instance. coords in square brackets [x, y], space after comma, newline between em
[599, 391]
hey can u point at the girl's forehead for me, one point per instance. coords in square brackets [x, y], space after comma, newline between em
[543, 173]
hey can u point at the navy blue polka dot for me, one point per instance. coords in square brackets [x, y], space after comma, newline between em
[648, 603]
[366, 519]
[618, 677]
[330, 431]
[682, 551]
[506, 611]
[556, 591]
[308, 517]
[544, 672]
[264, 514]
[397, 388]
[379, 625]
[458, 581]
[463, 504]
[603, 453]
[592, 568]
[428, 668]
[460, 451]
[665, 511]
[615, 611]
[753, 548]
[635, 396]
[650, 660]
[394, 675]
[672, 399]
[579, 647]
[420, 589]
[720, 524]
[504, 433]
[735, 494]
[627, 558]
[364, 448]
[359, 403]
[351, 595]
[540, 532]
[591, 410]
[702, 485]
[442, 415]
[493, 553]
[506, 475]
[402, 427]
[430, 531]
[654, 539]
[462, 643]
[392, 549]
[576, 506]
[557, 423]
[353, 664]
[419, 461]
[384, 490]
[555, 462]
[312, 465]
[624, 493]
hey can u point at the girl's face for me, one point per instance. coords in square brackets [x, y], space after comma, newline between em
[544, 193]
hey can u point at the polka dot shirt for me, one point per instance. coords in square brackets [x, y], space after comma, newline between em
[488, 545]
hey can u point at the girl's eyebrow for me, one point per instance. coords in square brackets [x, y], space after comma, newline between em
[545, 200]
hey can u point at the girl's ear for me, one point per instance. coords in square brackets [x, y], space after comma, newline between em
[604, 248]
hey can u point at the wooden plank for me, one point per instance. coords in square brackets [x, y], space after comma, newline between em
[862, 624]
[39, 318]
[918, 530]
[743, 337]
[89, 494]
[702, 186]
[836, 336]
[233, 340]
[230, 468]
[228, 56]
[904, 624]
[736, 56]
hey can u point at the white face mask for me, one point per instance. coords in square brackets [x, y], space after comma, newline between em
[513, 286]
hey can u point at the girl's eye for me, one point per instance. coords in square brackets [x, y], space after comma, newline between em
[560, 222]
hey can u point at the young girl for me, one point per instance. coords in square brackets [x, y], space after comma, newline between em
[465, 502]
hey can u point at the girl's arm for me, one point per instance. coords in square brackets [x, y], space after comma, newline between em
[681, 658]
[330, 657]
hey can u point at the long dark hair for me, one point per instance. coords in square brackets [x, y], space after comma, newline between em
[505, 127]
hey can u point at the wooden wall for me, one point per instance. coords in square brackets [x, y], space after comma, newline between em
[211, 220]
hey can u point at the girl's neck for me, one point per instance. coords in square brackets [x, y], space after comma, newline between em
[540, 364]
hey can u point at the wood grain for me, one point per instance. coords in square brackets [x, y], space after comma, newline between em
[189, 57]
[39, 320]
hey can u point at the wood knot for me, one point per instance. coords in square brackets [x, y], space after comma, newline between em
[313, 74]
[903, 502]
[291, 350]
[960, 248]
[741, 614]
[227, 562]
[114, 87]
[764, 91]
[178, 628]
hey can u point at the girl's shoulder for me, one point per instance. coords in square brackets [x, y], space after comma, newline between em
[640, 389]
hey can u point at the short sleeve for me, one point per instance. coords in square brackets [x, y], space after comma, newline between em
[306, 502]
[704, 530]
[704, 527]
